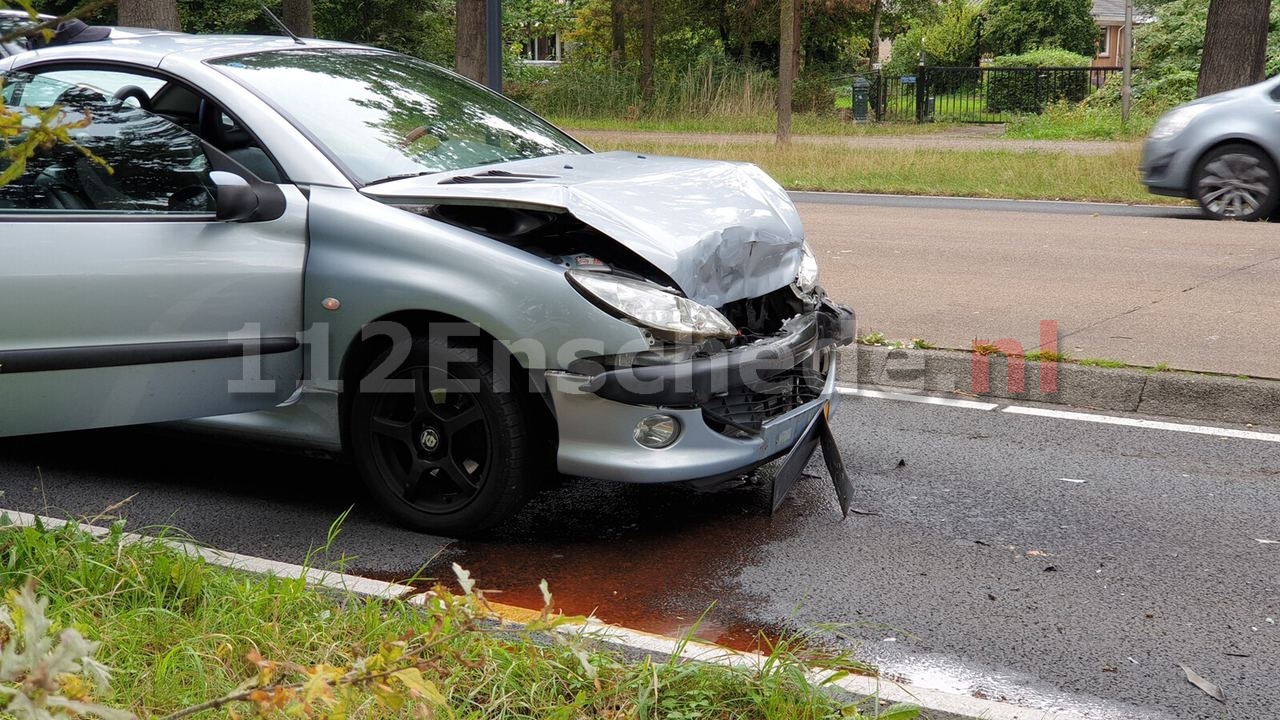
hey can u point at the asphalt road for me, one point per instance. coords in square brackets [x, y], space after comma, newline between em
[990, 572]
[1135, 284]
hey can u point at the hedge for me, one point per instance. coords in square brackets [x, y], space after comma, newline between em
[1022, 91]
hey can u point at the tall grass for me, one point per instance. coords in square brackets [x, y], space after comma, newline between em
[1065, 121]
[709, 87]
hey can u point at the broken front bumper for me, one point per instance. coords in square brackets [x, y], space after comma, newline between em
[737, 409]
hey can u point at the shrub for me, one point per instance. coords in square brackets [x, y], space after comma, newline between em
[1152, 93]
[905, 57]
[1021, 91]
[949, 39]
[814, 93]
[1016, 26]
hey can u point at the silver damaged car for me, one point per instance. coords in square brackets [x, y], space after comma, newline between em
[352, 250]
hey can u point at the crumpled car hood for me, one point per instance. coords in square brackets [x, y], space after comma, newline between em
[722, 231]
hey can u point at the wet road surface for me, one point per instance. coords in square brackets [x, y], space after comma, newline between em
[988, 570]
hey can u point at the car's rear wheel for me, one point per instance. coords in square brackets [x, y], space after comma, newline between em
[438, 446]
[1236, 182]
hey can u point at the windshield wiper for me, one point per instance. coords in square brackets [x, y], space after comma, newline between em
[401, 176]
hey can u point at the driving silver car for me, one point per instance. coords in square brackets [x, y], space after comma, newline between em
[1221, 151]
[350, 249]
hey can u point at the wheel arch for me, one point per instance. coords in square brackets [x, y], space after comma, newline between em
[361, 352]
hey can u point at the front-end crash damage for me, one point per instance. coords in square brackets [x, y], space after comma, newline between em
[708, 260]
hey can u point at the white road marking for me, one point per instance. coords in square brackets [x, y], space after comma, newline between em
[1073, 480]
[1139, 423]
[923, 399]
[1061, 415]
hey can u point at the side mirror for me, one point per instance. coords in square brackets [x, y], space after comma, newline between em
[237, 202]
[241, 200]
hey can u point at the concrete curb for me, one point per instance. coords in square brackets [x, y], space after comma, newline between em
[938, 705]
[1192, 396]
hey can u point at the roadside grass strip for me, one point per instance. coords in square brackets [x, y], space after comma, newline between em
[926, 170]
[186, 629]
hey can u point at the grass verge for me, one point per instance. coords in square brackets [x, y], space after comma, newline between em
[179, 632]
[1066, 122]
[925, 171]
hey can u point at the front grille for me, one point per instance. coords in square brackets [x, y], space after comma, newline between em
[743, 411]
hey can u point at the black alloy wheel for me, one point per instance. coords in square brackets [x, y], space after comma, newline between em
[438, 447]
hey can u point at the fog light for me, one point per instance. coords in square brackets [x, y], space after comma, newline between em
[657, 431]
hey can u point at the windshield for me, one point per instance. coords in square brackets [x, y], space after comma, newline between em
[383, 115]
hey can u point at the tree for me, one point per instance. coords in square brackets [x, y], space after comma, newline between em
[646, 52]
[300, 18]
[953, 38]
[1016, 26]
[471, 41]
[618, 28]
[787, 38]
[873, 50]
[158, 14]
[1235, 45]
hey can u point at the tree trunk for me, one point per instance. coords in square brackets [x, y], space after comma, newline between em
[786, 75]
[797, 44]
[618, 10]
[158, 14]
[873, 52]
[472, 41]
[722, 23]
[646, 55]
[1235, 45]
[299, 17]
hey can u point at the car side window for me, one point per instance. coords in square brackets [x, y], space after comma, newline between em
[123, 160]
[36, 92]
[9, 22]
[112, 83]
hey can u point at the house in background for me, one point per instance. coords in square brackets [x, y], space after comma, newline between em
[541, 50]
[1109, 14]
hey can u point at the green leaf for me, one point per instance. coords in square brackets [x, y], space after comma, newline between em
[900, 712]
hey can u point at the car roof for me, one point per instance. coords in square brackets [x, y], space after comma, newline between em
[151, 46]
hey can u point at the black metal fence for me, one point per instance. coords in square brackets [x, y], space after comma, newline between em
[973, 94]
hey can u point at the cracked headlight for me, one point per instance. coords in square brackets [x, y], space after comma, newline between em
[660, 310]
[807, 277]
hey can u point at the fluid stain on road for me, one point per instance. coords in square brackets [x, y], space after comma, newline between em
[651, 558]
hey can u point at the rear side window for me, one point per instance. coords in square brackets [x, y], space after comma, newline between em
[124, 159]
[9, 22]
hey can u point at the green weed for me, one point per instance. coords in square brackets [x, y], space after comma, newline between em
[1101, 362]
[1047, 356]
[179, 632]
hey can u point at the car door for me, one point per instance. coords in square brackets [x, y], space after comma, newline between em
[123, 299]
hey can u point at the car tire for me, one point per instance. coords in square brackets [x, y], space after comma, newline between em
[441, 450]
[1236, 182]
